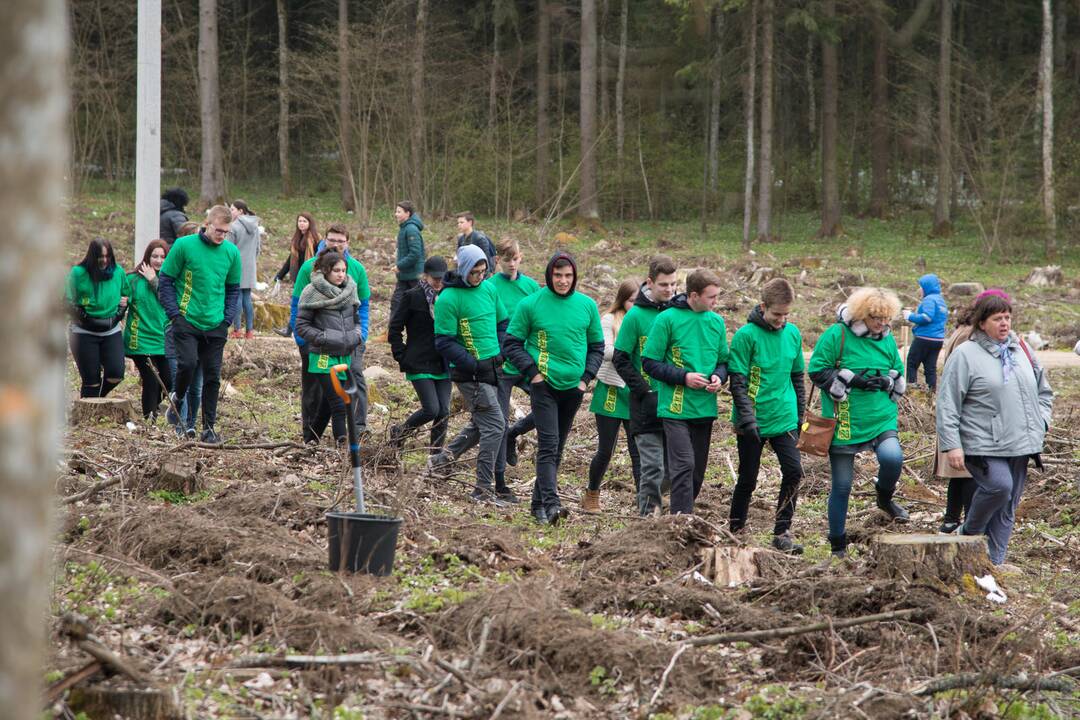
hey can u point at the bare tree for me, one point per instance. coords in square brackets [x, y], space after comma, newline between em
[543, 94]
[588, 206]
[283, 98]
[714, 117]
[34, 134]
[765, 178]
[830, 191]
[348, 190]
[417, 148]
[493, 78]
[213, 175]
[942, 223]
[620, 100]
[751, 103]
[1046, 87]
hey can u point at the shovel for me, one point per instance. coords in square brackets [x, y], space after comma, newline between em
[348, 394]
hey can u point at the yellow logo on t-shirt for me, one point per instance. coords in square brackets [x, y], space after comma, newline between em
[465, 331]
[543, 357]
[755, 384]
[843, 421]
[133, 333]
[677, 395]
[641, 349]
[185, 296]
[611, 399]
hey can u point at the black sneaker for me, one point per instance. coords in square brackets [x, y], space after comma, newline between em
[507, 496]
[209, 435]
[190, 433]
[894, 510]
[397, 436]
[786, 544]
[511, 451]
[949, 527]
[539, 515]
[556, 514]
[170, 415]
[283, 331]
[438, 465]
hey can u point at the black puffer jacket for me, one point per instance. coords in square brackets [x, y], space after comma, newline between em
[329, 331]
[171, 220]
[643, 399]
[418, 354]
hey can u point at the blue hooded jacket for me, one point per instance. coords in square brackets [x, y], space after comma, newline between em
[929, 318]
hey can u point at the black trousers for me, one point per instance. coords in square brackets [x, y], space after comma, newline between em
[554, 411]
[434, 408]
[958, 498]
[687, 456]
[607, 429]
[749, 466]
[923, 352]
[204, 348]
[400, 288]
[152, 392]
[335, 405]
[100, 359]
[314, 407]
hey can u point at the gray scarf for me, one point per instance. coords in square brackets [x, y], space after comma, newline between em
[321, 295]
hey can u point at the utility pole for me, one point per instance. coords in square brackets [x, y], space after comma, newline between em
[148, 127]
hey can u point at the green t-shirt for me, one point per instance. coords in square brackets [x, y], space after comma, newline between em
[557, 330]
[426, 376]
[511, 292]
[695, 342]
[144, 331]
[201, 271]
[610, 401]
[634, 333]
[768, 358]
[321, 364]
[471, 316]
[866, 413]
[101, 300]
[353, 268]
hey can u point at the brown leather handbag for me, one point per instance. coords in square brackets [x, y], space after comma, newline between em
[816, 433]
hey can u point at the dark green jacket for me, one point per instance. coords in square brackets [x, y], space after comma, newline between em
[410, 249]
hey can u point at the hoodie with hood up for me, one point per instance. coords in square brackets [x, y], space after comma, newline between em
[633, 334]
[767, 386]
[929, 318]
[469, 319]
[171, 216]
[244, 233]
[557, 336]
[410, 248]
[682, 341]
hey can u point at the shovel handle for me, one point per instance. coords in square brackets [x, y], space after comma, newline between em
[344, 393]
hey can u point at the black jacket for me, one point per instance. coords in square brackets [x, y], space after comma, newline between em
[413, 316]
[170, 221]
[643, 399]
[329, 331]
[740, 384]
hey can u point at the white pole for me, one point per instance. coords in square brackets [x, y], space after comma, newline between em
[148, 132]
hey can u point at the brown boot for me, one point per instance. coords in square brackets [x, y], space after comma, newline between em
[590, 502]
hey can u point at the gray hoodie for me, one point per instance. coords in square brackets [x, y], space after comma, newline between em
[980, 413]
[244, 233]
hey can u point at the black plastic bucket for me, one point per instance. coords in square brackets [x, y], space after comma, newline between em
[362, 543]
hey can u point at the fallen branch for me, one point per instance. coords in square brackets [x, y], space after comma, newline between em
[667, 671]
[758, 635]
[1005, 682]
[250, 446]
[505, 701]
[58, 688]
[299, 661]
[92, 490]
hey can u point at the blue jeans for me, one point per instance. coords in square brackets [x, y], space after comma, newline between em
[890, 461]
[248, 308]
[189, 404]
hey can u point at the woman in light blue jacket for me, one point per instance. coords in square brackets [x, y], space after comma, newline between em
[993, 410]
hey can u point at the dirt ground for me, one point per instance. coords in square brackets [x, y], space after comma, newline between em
[487, 615]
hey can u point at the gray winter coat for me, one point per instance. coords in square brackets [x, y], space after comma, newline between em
[329, 331]
[979, 413]
[244, 233]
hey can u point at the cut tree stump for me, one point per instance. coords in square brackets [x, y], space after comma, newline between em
[730, 566]
[961, 289]
[91, 410]
[180, 474]
[943, 557]
[269, 316]
[1045, 276]
[134, 703]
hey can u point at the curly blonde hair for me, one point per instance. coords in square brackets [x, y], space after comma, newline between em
[870, 302]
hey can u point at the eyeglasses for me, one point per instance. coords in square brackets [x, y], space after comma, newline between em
[219, 231]
[880, 318]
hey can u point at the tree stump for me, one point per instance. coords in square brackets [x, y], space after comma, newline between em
[179, 474]
[90, 410]
[1045, 276]
[134, 703]
[942, 557]
[730, 566]
[961, 289]
[269, 316]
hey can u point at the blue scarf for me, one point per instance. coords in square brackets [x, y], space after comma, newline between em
[1005, 354]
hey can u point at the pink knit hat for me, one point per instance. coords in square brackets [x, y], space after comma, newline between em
[994, 291]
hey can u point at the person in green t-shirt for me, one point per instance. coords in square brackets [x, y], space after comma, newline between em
[768, 392]
[199, 287]
[556, 339]
[469, 323]
[611, 402]
[687, 354]
[858, 369]
[645, 427]
[513, 286]
[314, 406]
[96, 292]
[144, 331]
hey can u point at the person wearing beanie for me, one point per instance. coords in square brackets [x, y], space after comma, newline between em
[929, 321]
[687, 354]
[555, 338]
[417, 357]
[469, 323]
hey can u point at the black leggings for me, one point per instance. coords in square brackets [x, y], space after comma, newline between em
[434, 408]
[958, 498]
[923, 352]
[607, 429]
[152, 392]
[337, 406]
[97, 355]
